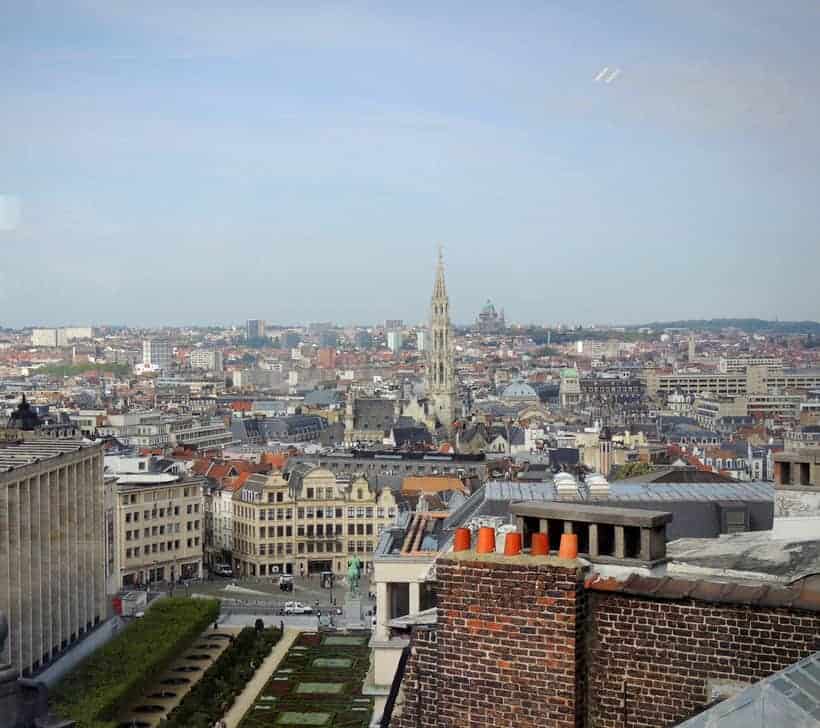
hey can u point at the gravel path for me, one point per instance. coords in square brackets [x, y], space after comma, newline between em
[248, 696]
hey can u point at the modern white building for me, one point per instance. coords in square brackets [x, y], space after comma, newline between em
[394, 341]
[422, 340]
[52, 548]
[157, 354]
[60, 336]
[207, 359]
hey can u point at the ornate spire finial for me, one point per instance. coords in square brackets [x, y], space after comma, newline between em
[440, 254]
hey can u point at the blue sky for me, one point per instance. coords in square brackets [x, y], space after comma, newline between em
[208, 162]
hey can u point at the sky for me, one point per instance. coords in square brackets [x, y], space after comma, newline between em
[204, 162]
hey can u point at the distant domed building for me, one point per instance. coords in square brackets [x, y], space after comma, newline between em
[519, 392]
[489, 321]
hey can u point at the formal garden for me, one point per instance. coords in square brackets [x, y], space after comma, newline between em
[318, 683]
[125, 668]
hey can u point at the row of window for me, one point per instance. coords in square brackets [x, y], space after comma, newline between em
[161, 547]
[134, 516]
[280, 514]
[317, 547]
[134, 534]
[159, 495]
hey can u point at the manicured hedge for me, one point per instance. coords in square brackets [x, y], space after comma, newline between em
[101, 685]
[214, 694]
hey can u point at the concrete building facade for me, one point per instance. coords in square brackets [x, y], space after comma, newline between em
[52, 548]
[159, 529]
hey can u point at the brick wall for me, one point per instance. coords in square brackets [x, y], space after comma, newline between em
[519, 637]
[509, 646]
[417, 704]
[650, 660]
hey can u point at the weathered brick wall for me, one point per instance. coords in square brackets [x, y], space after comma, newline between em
[650, 660]
[509, 646]
[417, 704]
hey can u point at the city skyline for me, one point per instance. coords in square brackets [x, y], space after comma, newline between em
[209, 161]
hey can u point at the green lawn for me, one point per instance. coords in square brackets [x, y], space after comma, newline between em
[318, 683]
[101, 685]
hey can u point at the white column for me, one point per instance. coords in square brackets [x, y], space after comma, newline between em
[382, 610]
[415, 597]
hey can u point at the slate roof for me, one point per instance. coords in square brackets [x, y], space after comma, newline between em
[790, 697]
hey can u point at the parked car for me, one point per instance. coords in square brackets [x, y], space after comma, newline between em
[286, 583]
[297, 608]
[223, 570]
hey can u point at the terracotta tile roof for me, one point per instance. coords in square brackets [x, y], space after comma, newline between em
[672, 588]
[431, 484]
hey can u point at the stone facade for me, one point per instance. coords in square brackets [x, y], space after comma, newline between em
[52, 549]
[309, 523]
[441, 375]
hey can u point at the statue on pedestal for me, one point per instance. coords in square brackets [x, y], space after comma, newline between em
[354, 574]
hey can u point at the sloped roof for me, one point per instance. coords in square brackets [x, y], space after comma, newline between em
[790, 697]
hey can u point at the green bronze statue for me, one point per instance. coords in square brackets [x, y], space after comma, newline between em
[354, 573]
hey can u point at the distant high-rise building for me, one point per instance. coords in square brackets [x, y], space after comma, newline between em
[255, 329]
[328, 339]
[393, 324]
[290, 339]
[363, 339]
[441, 377]
[422, 340]
[327, 358]
[157, 353]
[207, 359]
[394, 341]
[691, 347]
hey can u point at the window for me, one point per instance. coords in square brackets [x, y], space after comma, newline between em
[127, 553]
[309, 493]
[279, 497]
[300, 513]
[300, 530]
[351, 512]
[128, 518]
[351, 529]
[369, 512]
[309, 512]
[338, 513]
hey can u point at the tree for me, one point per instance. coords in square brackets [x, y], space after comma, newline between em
[631, 470]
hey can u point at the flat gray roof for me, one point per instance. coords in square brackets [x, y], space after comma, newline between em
[17, 455]
[591, 513]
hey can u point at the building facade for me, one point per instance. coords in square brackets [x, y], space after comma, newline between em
[159, 532]
[52, 548]
[308, 523]
[207, 359]
[157, 354]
